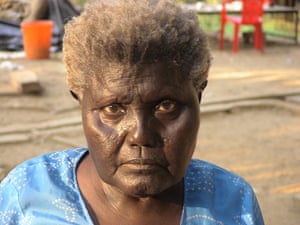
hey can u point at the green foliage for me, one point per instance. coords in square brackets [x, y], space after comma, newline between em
[78, 2]
[273, 24]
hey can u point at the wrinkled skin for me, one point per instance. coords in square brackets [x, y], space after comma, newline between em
[141, 128]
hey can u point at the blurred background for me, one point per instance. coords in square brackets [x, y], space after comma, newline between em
[250, 114]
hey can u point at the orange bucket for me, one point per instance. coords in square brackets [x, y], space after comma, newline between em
[37, 37]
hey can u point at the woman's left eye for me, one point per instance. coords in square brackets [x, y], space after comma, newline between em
[166, 106]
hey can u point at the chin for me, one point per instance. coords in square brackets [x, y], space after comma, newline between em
[141, 193]
[142, 189]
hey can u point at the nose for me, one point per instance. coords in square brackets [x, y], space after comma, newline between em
[145, 132]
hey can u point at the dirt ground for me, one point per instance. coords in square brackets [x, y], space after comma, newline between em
[250, 121]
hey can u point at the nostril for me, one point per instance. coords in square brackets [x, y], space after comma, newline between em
[144, 133]
[149, 145]
[135, 146]
[148, 141]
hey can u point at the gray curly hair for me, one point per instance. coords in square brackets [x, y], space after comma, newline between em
[133, 33]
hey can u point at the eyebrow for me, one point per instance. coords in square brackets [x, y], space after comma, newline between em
[120, 97]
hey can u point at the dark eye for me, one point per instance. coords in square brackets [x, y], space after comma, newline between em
[166, 106]
[113, 109]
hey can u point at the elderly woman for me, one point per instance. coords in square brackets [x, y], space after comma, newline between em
[138, 69]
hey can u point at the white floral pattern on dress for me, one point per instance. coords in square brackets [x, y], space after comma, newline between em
[69, 209]
[9, 217]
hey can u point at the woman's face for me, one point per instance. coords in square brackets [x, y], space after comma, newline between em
[141, 128]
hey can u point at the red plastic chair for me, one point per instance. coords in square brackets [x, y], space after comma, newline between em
[251, 14]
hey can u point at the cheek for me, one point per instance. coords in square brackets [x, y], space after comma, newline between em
[103, 141]
[181, 140]
[185, 129]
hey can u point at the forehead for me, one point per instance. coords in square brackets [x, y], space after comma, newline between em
[126, 77]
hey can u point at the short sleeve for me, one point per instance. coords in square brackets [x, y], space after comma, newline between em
[251, 213]
[10, 211]
[43, 190]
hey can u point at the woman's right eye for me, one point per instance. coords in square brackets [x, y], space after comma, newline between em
[113, 110]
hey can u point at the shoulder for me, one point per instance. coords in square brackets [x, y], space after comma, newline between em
[50, 164]
[51, 179]
[205, 177]
[216, 194]
[208, 175]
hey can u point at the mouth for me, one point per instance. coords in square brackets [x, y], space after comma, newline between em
[144, 164]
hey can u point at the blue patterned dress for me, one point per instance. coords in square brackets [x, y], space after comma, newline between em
[44, 190]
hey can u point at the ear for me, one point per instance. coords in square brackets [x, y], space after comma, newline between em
[203, 86]
[199, 96]
[75, 96]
